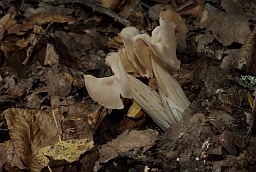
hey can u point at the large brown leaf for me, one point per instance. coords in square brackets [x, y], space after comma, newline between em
[30, 130]
[226, 28]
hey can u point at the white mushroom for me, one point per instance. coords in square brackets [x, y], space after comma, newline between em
[142, 52]
[128, 36]
[145, 56]
[163, 44]
[107, 91]
[128, 66]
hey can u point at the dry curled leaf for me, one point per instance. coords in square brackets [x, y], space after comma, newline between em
[231, 141]
[245, 54]
[233, 7]
[226, 28]
[133, 140]
[40, 19]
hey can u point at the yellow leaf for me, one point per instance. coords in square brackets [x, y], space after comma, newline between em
[118, 39]
[69, 150]
[250, 99]
[135, 111]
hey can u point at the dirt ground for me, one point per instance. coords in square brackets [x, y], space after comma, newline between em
[51, 121]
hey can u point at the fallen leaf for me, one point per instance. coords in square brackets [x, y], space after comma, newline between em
[57, 81]
[51, 55]
[233, 7]
[40, 19]
[245, 54]
[231, 141]
[29, 130]
[127, 141]
[9, 157]
[135, 111]
[69, 150]
[226, 28]
[153, 12]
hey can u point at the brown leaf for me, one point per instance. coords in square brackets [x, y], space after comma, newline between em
[226, 28]
[154, 11]
[9, 158]
[29, 130]
[191, 7]
[8, 20]
[232, 7]
[231, 141]
[133, 140]
[245, 54]
[40, 19]
[57, 81]
[3, 156]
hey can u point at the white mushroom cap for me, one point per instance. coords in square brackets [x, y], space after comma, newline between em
[144, 54]
[128, 36]
[181, 29]
[163, 44]
[113, 60]
[128, 66]
[107, 91]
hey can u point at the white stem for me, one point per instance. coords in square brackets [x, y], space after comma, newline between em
[150, 102]
[172, 95]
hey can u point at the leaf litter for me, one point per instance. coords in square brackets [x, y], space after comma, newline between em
[49, 122]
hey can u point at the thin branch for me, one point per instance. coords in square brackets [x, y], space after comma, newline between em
[108, 12]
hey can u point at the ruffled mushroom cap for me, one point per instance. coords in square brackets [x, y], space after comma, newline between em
[163, 44]
[128, 36]
[107, 91]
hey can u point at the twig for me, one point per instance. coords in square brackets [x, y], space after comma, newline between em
[56, 123]
[108, 12]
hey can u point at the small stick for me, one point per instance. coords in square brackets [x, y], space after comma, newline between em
[109, 13]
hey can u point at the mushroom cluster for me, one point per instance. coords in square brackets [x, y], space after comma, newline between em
[145, 56]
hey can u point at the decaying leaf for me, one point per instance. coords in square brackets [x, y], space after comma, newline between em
[9, 156]
[245, 54]
[3, 156]
[127, 141]
[30, 130]
[134, 111]
[51, 56]
[226, 28]
[191, 7]
[35, 137]
[69, 150]
[154, 11]
[40, 19]
[8, 20]
[233, 7]
[231, 141]
[57, 81]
